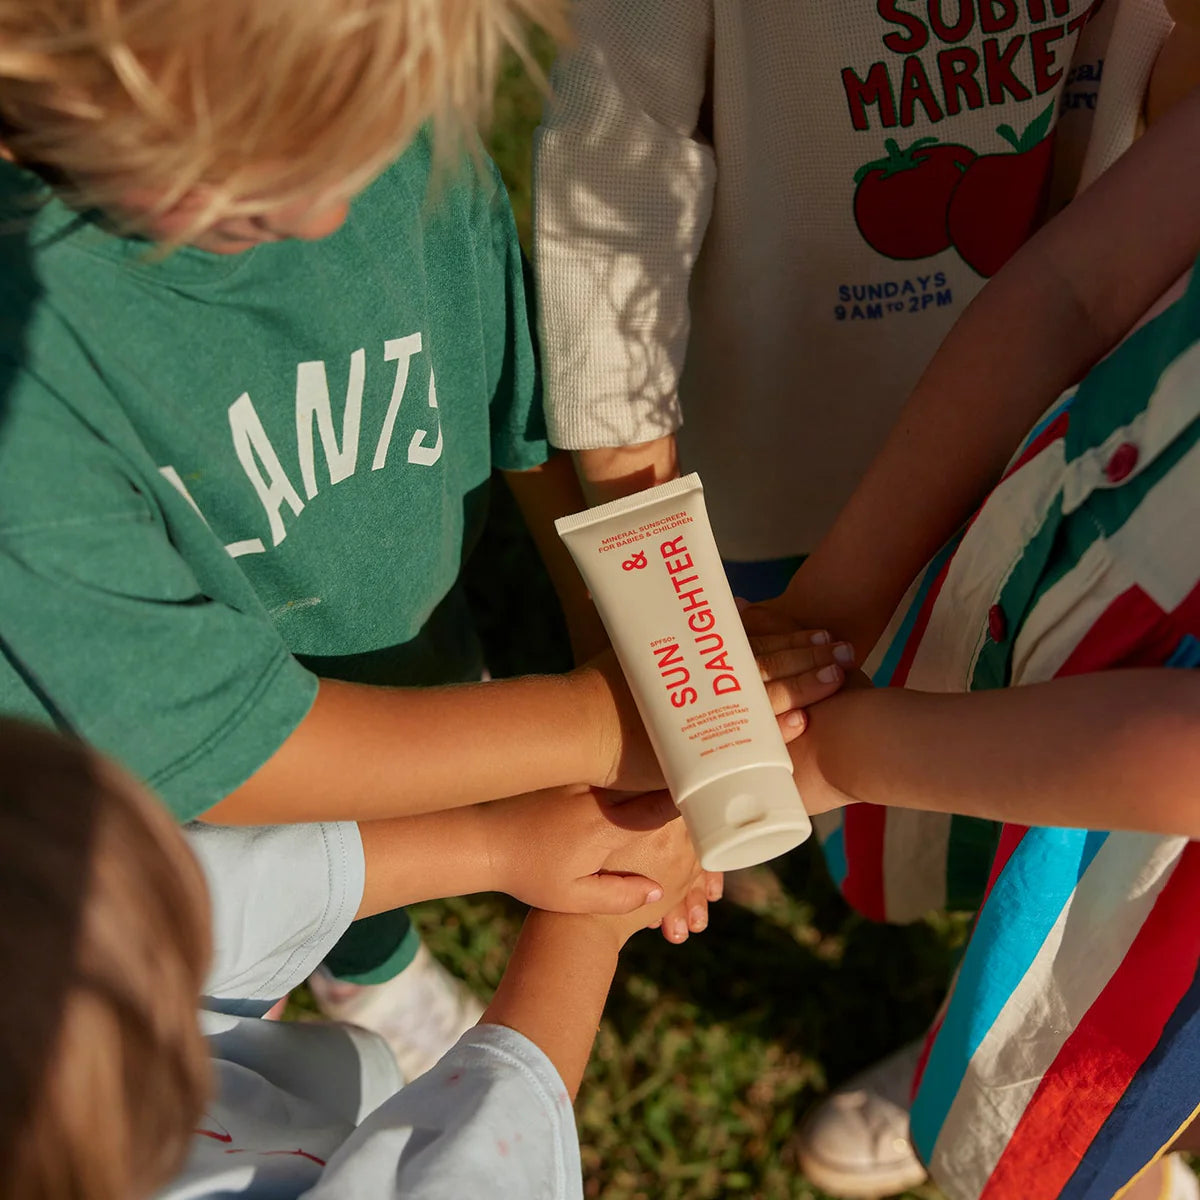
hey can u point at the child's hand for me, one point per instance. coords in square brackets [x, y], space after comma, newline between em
[799, 667]
[686, 887]
[689, 911]
[570, 850]
[818, 793]
[690, 915]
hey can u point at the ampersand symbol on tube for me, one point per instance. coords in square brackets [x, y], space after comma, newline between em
[636, 563]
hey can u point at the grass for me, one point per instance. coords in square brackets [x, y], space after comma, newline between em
[710, 1053]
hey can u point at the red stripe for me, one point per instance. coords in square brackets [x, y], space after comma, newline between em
[863, 828]
[1134, 632]
[927, 1049]
[1108, 1046]
[1006, 847]
[1055, 430]
[1114, 636]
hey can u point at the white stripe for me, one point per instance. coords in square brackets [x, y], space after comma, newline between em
[990, 551]
[915, 851]
[1172, 407]
[1083, 950]
[1156, 549]
[1059, 621]
[1161, 538]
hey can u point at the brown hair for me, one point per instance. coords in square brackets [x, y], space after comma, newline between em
[263, 102]
[103, 949]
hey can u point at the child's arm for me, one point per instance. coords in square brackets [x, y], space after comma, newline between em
[565, 849]
[564, 486]
[558, 978]
[624, 176]
[557, 983]
[1112, 750]
[365, 753]
[1060, 304]
[544, 494]
[495, 1114]
[618, 471]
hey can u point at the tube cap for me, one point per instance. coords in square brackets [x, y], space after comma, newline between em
[745, 818]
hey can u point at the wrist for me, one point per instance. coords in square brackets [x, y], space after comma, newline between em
[603, 937]
[595, 711]
[405, 859]
[841, 728]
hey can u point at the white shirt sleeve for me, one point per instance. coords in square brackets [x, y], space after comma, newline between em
[623, 185]
[281, 897]
[492, 1119]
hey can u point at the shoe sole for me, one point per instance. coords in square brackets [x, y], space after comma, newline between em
[853, 1185]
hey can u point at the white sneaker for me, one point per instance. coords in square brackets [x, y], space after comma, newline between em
[855, 1144]
[420, 1013]
[1180, 1183]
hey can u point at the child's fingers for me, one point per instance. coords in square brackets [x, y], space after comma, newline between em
[768, 642]
[696, 906]
[799, 691]
[792, 724]
[614, 895]
[799, 660]
[675, 925]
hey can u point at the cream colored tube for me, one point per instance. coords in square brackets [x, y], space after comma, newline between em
[655, 575]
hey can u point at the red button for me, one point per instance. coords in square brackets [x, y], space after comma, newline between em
[1120, 466]
[997, 623]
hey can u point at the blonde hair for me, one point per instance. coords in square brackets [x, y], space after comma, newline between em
[103, 949]
[262, 102]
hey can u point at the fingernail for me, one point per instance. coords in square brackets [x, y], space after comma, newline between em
[830, 674]
[654, 895]
[844, 653]
[822, 638]
[699, 919]
[794, 720]
[713, 890]
[677, 931]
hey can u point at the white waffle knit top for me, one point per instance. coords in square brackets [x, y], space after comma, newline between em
[736, 237]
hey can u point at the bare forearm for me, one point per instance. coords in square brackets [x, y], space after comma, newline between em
[366, 753]
[544, 494]
[555, 987]
[1114, 750]
[425, 857]
[1062, 302]
[617, 471]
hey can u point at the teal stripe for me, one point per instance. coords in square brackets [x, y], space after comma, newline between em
[1024, 904]
[1116, 390]
[887, 668]
[834, 849]
[1045, 423]
[1186, 654]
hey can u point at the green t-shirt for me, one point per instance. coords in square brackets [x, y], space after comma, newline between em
[223, 476]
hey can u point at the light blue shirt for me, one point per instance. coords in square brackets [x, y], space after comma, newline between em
[319, 1110]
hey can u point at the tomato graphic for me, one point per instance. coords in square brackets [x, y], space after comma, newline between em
[900, 203]
[1002, 197]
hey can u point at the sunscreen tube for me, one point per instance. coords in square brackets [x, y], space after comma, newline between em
[651, 563]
